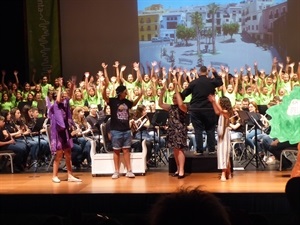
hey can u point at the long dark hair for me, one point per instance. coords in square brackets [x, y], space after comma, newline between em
[226, 105]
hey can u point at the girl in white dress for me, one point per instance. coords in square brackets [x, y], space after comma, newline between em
[224, 109]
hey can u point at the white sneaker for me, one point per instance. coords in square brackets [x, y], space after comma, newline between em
[55, 180]
[223, 178]
[265, 159]
[271, 161]
[74, 179]
[130, 174]
[116, 175]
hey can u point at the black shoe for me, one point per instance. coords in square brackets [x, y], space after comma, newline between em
[181, 176]
[175, 174]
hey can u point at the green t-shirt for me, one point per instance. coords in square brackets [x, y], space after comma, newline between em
[7, 105]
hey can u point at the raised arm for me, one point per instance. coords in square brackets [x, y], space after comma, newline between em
[16, 77]
[60, 84]
[161, 103]
[104, 66]
[73, 85]
[116, 66]
[217, 108]
[135, 102]
[104, 94]
[86, 80]
[3, 79]
[121, 74]
[180, 103]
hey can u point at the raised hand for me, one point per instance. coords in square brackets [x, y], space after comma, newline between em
[116, 64]
[123, 68]
[104, 65]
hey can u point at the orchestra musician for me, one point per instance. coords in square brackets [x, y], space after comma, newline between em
[82, 138]
[16, 126]
[139, 128]
[7, 142]
[94, 119]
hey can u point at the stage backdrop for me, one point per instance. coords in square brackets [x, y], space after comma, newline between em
[43, 37]
[96, 31]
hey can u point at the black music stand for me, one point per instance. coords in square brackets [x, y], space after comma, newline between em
[246, 117]
[159, 120]
[262, 109]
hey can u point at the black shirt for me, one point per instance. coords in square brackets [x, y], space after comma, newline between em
[120, 113]
[200, 89]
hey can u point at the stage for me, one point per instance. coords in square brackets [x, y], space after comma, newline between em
[251, 191]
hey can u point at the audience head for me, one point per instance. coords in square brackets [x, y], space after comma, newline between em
[253, 107]
[34, 112]
[293, 196]
[189, 206]
[140, 111]
[93, 109]
[245, 104]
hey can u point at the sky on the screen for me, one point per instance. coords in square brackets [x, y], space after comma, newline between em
[142, 4]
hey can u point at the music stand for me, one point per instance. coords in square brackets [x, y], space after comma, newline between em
[159, 120]
[262, 109]
[39, 124]
[246, 117]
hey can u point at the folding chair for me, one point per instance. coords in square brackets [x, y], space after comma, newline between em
[288, 153]
[48, 133]
[8, 156]
[104, 139]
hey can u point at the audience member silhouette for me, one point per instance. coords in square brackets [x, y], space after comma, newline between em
[293, 196]
[189, 206]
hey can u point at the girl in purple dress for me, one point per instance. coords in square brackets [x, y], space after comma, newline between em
[60, 140]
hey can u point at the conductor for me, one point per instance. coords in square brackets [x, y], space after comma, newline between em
[201, 110]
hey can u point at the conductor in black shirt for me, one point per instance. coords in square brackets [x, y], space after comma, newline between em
[201, 110]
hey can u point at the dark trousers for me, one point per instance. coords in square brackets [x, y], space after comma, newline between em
[21, 153]
[276, 150]
[204, 121]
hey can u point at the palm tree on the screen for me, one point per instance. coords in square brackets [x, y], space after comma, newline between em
[212, 9]
[198, 24]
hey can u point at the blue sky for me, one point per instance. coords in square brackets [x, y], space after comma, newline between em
[177, 3]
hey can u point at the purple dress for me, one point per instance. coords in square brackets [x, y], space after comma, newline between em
[60, 122]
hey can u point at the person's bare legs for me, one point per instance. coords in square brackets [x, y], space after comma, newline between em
[180, 160]
[296, 168]
[56, 163]
[126, 154]
[68, 161]
[176, 151]
[223, 175]
[116, 157]
[228, 171]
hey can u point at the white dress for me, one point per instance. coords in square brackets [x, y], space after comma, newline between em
[224, 146]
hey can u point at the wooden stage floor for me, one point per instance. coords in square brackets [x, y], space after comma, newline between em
[252, 191]
[156, 180]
